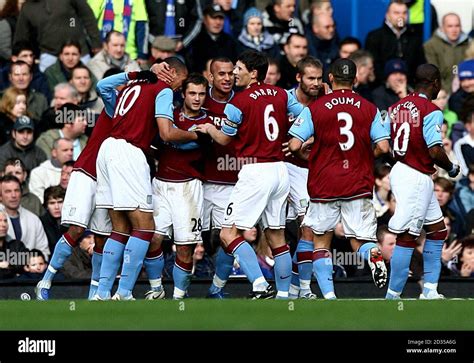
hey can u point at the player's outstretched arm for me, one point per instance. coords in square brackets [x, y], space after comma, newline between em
[216, 135]
[168, 133]
[440, 158]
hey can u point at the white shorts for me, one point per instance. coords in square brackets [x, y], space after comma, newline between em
[178, 210]
[416, 202]
[123, 177]
[79, 205]
[261, 192]
[216, 199]
[298, 199]
[357, 217]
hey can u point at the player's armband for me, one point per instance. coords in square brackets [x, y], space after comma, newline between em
[232, 121]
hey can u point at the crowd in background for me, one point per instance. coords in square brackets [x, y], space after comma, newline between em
[53, 52]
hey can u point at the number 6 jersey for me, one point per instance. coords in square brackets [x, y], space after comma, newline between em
[260, 113]
[416, 126]
[341, 161]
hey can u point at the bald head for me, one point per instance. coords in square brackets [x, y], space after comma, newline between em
[451, 26]
[428, 79]
[323, 26]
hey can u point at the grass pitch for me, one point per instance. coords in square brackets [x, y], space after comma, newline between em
[237, 314]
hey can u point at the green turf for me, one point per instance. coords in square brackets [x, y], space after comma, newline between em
[235, 314]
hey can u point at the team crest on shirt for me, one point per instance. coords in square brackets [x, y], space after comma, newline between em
[298, 121]
[438, 128]
[72, 211]
[149, 199]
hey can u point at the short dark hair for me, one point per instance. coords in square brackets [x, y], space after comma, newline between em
[176, 63]
[70, 43]
[466, 114]
[343, 70]
[381, 170]
[219, 59]
[55, 192]
[274, 62]
[10, 178]
[14, 162]
[293, 35]
[308, 61]
[68, 163]
[257, 61]
[350, 40]
[111, 72]
[426, 74]
[19, 47]
[109, 35]
[81, 66]
[35, 253]
[359, 57]
[194, 78]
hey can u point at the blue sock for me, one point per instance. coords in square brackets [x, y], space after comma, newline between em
[247, 259]
[96, 263]
[111, 259]
[282, 271]
[431, 264]
[364, 250]
[133, 256]
[61, 253]
[224, 263]
[182, 278]
[322, 268]
[154, 269]
[400, 265]
[305, 269]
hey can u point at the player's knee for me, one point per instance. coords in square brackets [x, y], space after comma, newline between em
[99, 240]
[185, 253]
[156, 242]
[306, 234]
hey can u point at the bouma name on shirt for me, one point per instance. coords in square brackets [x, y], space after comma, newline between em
[28, 345]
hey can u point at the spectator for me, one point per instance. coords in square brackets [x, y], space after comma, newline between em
[8, 246]
[382, 188]
[48, 173]
[395, 87]
[74, 126]
[162, 48]
[61, 70]
[395, 39]
[348, 46]
[464, 195]
[466, 78]
[66, 172]
[112, 55]
[279, 21]
[449, 116]
[295, 49]
[22, 146]
[322, 40]
[128, 17]
[365, 73]
[22, 224]
[63, 93]
[49, 24]
[391, 203]
[386, 242]
[81, 79]
[446, 48]
[51, 220]
[203, 266]
[273, 72]
[254, 36]
[317, 7]
[211, 42]
[29, 201]
[464, 147]
[8, 17]
[234, 13]
[448, 148]
[12, 106]
[79, 264]
[460, 258]
[20, 78]
[444, 191]
[181, 22]
[24, 51]
[36, 266]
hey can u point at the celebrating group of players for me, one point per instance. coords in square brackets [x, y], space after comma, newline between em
[311, 147]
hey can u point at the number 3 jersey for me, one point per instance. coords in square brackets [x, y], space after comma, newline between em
[341, 161]
[138, 106]
[416, 126]
[260, 113]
